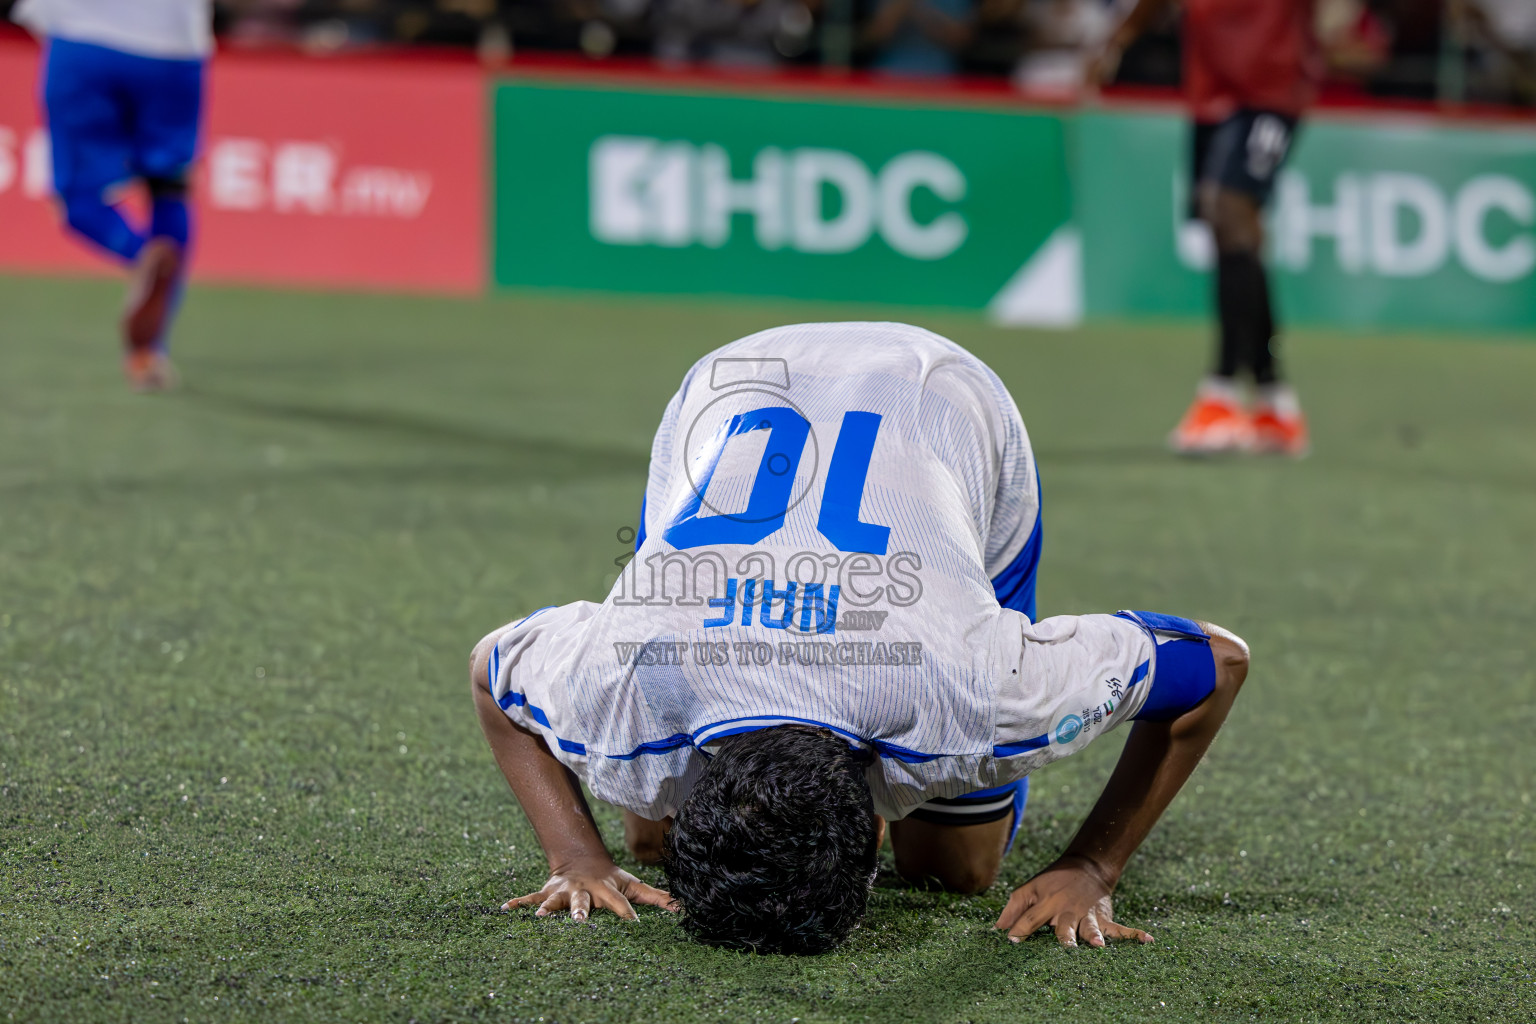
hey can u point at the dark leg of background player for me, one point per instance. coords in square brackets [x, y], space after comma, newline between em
[1242, 287]
[1247, 322]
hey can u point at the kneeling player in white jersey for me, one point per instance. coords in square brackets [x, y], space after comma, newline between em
[828, 626]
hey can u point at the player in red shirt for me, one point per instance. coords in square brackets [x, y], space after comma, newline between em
[1249, 72]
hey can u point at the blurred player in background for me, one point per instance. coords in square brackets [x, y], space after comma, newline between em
[122, 90]
[1249, 72]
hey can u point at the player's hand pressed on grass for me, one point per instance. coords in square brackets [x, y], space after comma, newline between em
[1073, 898]
[588, 883]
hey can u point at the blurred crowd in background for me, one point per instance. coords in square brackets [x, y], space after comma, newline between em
[1477, 51]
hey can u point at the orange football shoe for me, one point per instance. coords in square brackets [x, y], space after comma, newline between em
[148, 369]
[1215, 423]
[1279, 427]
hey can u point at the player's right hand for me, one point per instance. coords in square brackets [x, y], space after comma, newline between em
[581, 885]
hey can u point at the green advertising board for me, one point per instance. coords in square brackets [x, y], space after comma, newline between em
[643, 190]
[1037, 218]
[1371, 224]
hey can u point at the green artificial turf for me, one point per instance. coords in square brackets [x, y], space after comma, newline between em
[240, 776]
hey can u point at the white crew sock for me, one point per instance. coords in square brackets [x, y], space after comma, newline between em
[1223, 389]
[1281, 398]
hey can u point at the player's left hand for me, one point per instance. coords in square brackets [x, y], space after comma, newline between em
[583, 885]
[1070, 896]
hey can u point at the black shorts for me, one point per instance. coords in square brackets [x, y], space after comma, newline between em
[1242, 153]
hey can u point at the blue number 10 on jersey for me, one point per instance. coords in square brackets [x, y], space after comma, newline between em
[768, 504]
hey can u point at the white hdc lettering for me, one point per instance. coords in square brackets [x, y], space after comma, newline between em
[1399, 224]
[646, 191]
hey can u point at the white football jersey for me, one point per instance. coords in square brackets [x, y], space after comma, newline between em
[173, 29]
[832, 514]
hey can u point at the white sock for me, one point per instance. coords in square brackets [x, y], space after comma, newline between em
[1281, 398]
[1223, 389]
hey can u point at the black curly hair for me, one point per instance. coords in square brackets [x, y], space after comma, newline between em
[774, 849]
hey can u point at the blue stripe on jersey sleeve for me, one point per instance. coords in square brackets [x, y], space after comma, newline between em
[513, 699]
[520, 700]
[640, 533]
[536, 611]
[494, 669]
[1021, 747]
[665, 746]
[902, 754]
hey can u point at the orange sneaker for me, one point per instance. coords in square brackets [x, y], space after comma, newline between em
[1278, 425]
[149, 370]
[151, 293]
[1215, 422]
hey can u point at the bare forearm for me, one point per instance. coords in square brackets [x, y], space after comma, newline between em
[1158, 759]
[549, 793]
[1152, 769]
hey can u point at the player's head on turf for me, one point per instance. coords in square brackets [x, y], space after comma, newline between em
[774, 849]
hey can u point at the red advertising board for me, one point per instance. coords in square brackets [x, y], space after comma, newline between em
[353, 172]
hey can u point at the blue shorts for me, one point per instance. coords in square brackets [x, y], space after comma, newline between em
[114, 116]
